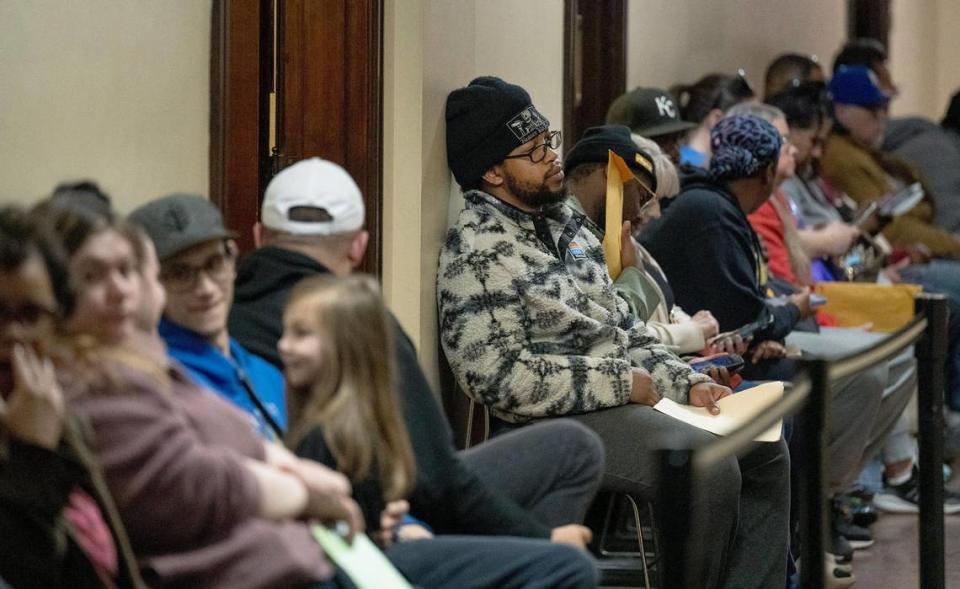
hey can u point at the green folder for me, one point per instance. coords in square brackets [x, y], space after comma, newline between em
[362, 561]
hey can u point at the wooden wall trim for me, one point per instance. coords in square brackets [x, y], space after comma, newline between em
[595, 63]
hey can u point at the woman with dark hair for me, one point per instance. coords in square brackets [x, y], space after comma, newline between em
[206, 501]
[60, 526]
[821, 229]
[789, 70]
[704, 102]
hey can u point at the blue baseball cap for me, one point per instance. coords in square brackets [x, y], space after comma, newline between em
[859, 86]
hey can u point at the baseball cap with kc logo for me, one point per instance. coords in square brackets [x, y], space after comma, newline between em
[313, 197]
[649, 112]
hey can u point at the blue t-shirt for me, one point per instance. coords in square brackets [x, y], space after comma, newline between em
[691, 157]
[227, 376]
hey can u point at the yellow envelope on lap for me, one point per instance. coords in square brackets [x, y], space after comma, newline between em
[617, 174]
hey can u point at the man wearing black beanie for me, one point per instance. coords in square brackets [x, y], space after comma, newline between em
[532, 328]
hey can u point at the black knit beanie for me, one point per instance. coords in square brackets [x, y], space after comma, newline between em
[486, 121]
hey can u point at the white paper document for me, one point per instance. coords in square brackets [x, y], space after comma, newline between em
[735, 411]
[362, 561]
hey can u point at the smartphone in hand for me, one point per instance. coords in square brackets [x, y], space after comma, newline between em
[732, 362]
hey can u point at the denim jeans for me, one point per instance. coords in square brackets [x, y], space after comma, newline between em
[943, 277]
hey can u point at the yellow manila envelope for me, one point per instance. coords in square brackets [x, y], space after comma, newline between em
[736, 410]
[618, 173]
[887, 306]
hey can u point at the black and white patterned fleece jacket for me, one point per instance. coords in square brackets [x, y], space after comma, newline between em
[530, 321]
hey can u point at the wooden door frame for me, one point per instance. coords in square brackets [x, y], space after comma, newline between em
[599, 70]
[241, 69]
[870, 19]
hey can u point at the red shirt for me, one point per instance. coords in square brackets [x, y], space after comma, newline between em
[768, 225]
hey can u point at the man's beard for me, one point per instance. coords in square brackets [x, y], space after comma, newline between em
[534, 196]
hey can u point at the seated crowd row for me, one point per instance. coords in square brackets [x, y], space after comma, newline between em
[174, 414]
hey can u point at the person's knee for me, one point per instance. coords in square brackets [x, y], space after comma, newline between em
[578, 445]
[585, 445]
[572, 567]
[722, 487]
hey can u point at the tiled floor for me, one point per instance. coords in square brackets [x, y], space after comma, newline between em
[893, 561]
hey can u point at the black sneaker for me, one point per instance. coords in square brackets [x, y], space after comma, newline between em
[859, 538]
[840, 548]
[861, 511]
[905, 498]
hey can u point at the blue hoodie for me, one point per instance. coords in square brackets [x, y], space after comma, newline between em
[226, 375]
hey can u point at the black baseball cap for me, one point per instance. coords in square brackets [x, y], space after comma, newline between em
[596, 141]
[649, 112]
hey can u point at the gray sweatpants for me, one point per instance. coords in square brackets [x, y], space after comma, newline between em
[552, 468]
[746, 499]
[866, 407]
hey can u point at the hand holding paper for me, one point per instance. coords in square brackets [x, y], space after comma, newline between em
[735, 411]
[366, 566]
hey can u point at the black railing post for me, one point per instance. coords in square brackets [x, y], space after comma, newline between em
[931, 351]
[675, 503]
[812, 427]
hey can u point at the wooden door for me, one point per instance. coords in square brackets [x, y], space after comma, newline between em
[292, 79]
[595, 63]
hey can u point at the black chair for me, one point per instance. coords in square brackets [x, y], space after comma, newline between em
[625, 542]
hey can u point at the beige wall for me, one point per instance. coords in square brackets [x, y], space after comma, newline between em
[948, 54]
[925, 55]
[431, 48]
[678, 41]
[114, 90]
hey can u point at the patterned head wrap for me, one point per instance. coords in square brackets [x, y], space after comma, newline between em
[742, 145]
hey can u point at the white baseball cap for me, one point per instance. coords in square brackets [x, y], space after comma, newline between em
[313, 197]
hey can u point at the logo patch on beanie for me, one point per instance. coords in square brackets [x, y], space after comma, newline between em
[527, 124]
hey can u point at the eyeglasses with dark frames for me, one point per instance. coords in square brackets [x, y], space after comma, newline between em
[179, 277]
[539, 153]
[26, 315]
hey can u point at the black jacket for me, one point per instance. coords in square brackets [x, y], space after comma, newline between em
[37, 546]
[713, 258]
[265, 278]
[447, 495]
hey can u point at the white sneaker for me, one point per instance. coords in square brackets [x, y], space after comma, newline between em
[905, 498]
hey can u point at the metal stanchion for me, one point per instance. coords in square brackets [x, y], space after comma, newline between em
[675, 518]
[811, 424]
[931, 353]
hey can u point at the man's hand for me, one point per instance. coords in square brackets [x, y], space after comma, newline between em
[720, 375]
[919, 253]
[642, 391]
[734, 344]
[892, 272]
[706, 394]
[802, 301]
[629, 256]
[768, 350]
[319, 478]
[333, 509]
[33, 413]
[837, 237]
[572, 534]
[708, 325]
